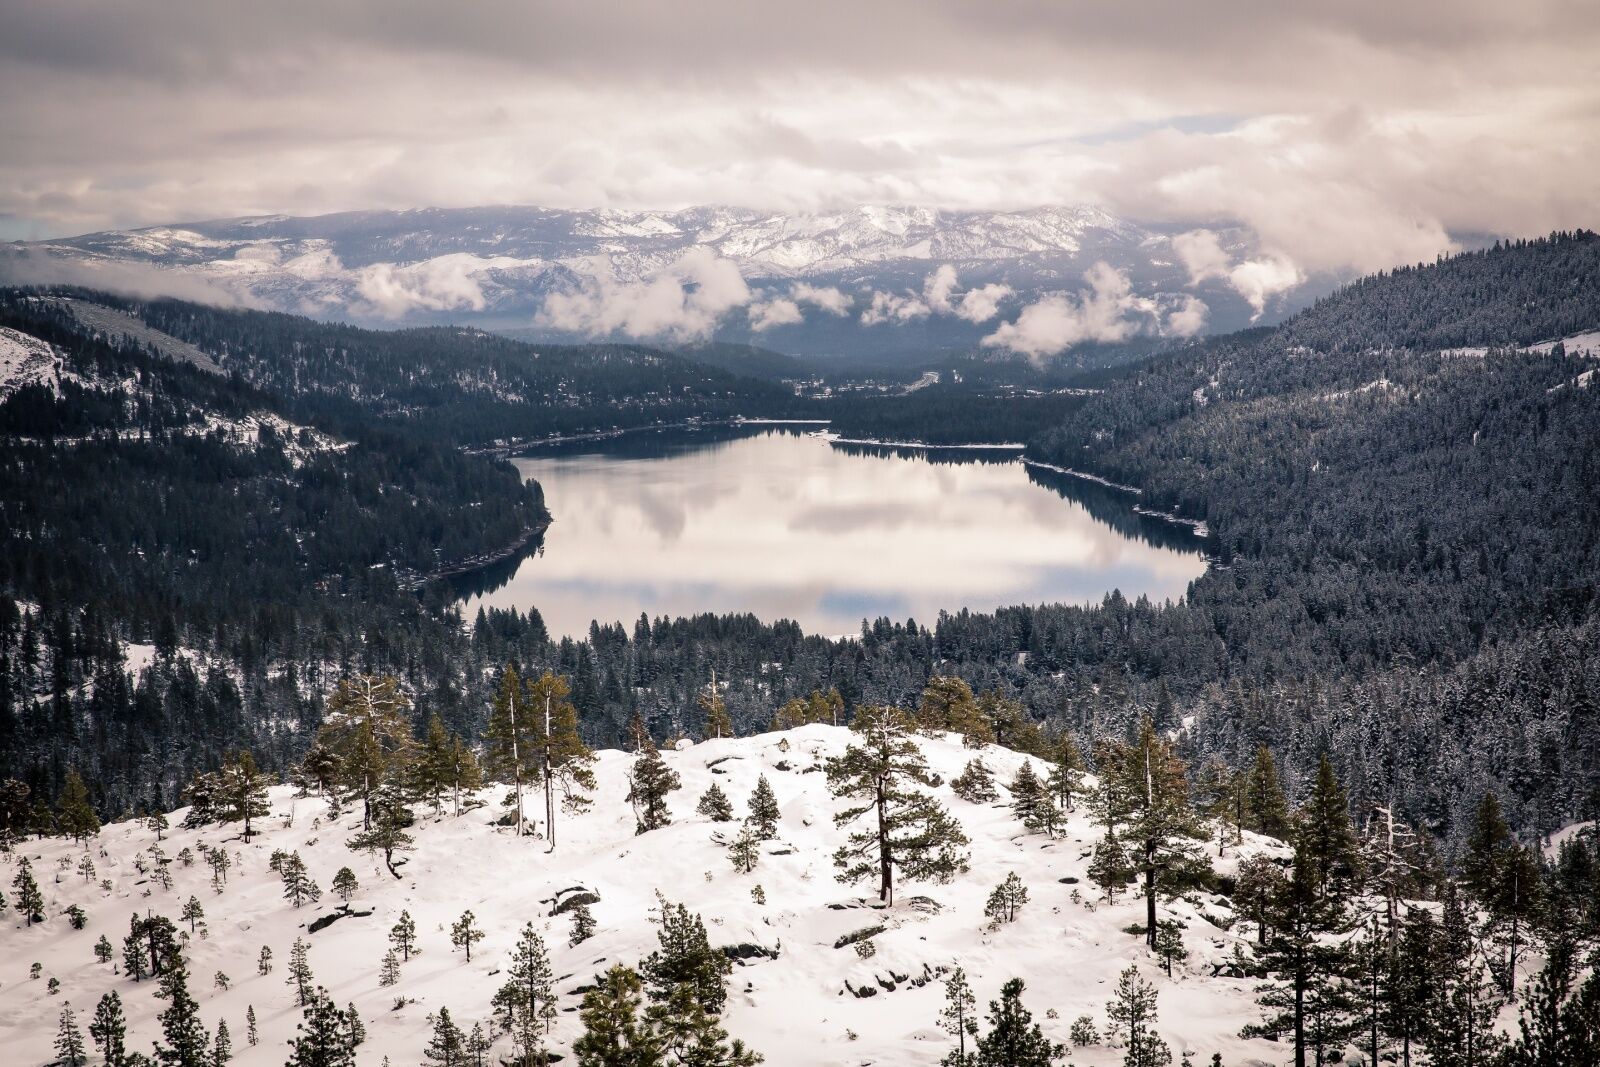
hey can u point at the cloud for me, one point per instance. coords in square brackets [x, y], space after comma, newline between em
[22, 266]
[827, 297]
[445, 283]
[1108, 311]
[766, 314]
[683, 301]
[1257, 279]
[1186, 318]
[938, 297]
[981, 305]
[894, 308]
[1202, 255]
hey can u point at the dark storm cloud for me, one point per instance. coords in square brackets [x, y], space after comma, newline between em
[1347, 134]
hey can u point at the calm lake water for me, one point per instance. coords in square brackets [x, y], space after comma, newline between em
[787, 526]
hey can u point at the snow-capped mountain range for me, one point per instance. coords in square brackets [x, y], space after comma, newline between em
[806, 281]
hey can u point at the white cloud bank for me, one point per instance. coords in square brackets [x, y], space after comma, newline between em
[683, 302]
[1108, 311]
[1257, 280]
[938, 297]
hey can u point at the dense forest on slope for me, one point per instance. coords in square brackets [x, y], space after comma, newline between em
[463, 386]
[1407, 561]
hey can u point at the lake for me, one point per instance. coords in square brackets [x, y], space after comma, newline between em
[785, 525]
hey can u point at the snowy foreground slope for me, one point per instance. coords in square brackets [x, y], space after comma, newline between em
[797, 1008]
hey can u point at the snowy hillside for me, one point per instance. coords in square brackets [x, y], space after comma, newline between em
[793, 995]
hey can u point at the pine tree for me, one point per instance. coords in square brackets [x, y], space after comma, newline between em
[478, 1045]
[615, 1031]
[1267, 809]
[30, 902]
[221, 1046]
[69, 1040]
[109, 1029]
[685, 957]
[1066, 775]
[1027, 795]
[526, 1003]
[910, 830]
[86, 868]
[300, 973]
[714, 804]
[1256, 891]
[744, 851]
[192, 912]
[1169, 945]
[649, 782]
[264, 961]
[714, 711]
[354, 1026]
[1464, 1003]
[1110, 868]
[691, 1036]
[345, 884]
[156, 824]
[1014, 1039]
[322, 1037]
[365, 728]
[448, 1047]
[1558, 1026]
[1007, 899]
[1160, 828]
[975, 783]
[241, 792]
[583, 925]
[74, 815]
[102, 950]
[389, 970]
[1132, 1016]
[186, 1039]
[959, 1017]
[564, 760]
[404, 935]
[464, 934]
[948, 705]
[432, 770]
[1486, 847]
[1324, 833]
[510, 740]
[298, 886]
[764, 812]
[251, 1036]
[388, 819]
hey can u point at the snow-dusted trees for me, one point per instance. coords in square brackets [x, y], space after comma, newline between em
[1145, 798]
[240, 791]
[1266, 810]
[818, 707]
[947, 704]
[403, 935]
[714, 804]
[365, 727]
[300, 972]
[324, 1038]
[959, 1017]
[298, 885]
[465, 933]
[109, 1029]
[907, 829]
[444, 765]
[69, 1040]
[685, 958]
[620, 1032]
[583, 925]
[74, 815]
[1014, 1039]
[1007, 899]
[388, 819]
[186, 1041]
[764, 813]
[448, 1046]
[533, 738]
[345, 884]
[714, 711]
[29, 902]
[649, 782]
[744, 851]
[1132, 1015]
[975, 783]
[526, 1004]
[1066, 772]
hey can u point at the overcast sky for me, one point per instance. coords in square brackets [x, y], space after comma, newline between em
[1347, 135]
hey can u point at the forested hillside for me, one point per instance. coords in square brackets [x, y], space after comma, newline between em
[1406, 547]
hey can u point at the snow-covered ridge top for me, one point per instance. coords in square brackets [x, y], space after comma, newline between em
[794, 996]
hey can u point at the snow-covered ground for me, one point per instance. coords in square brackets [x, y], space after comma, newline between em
[797, 1008]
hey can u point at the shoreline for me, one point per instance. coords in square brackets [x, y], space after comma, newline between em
[1197, 525]
[478, 563]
